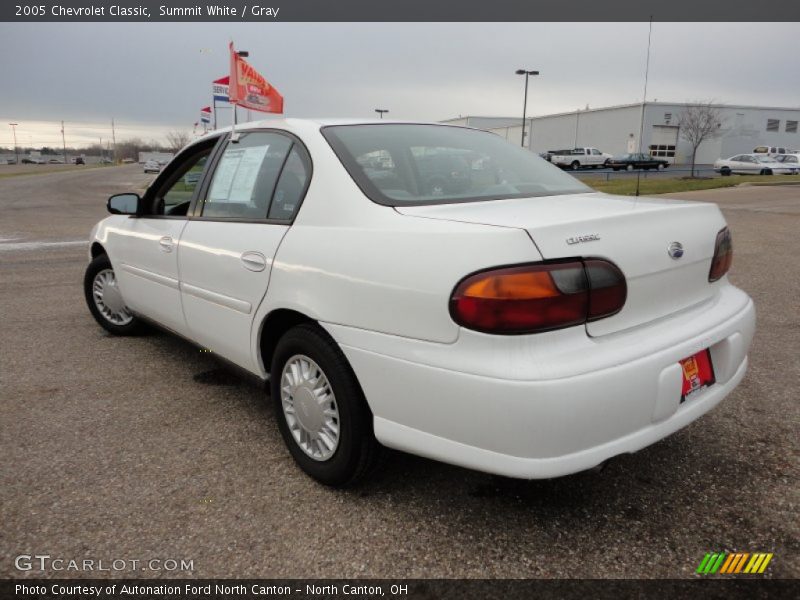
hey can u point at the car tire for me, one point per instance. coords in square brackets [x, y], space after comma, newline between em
[725, 172]
[660, 167]
[306, 364]
[616, 168]
[575, 165]
[629, 168]
[105, 300]
[766, 172]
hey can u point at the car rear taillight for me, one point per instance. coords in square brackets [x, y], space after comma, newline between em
[538, 297]
[723, 255]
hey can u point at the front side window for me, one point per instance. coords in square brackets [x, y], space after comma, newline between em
[398, 164]
[245, 177]
[175, 195]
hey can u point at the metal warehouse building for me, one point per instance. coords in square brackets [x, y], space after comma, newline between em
[616, 130]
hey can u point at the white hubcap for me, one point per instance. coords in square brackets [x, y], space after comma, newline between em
[108, 299]
[309, 407]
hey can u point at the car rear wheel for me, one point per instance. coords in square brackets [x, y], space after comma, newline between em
[105, 299]
[725, 172]
[660, 166]
[322, 414]
[575, 165]
[629, 168]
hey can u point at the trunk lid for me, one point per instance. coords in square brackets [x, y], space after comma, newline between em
[633, 233]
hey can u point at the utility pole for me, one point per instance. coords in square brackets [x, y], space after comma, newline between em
[527, 74]
[114, 139]
[381, 111]
[101, 149]
[63, 142]
[16, 148]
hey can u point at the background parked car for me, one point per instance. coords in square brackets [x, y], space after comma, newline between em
[578, 158]
[636, 161]
[152, 166]
[792, 160]
[78, 160]
[773, 150]
[55, 161]
[752, 164]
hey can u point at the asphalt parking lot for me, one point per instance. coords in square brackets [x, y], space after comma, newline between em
[146, 448]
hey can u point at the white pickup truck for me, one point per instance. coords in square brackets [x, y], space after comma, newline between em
[580, 157]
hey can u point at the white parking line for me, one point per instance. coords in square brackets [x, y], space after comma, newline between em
[10, 246]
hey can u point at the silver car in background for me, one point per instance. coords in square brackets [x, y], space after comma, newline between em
[753, 164]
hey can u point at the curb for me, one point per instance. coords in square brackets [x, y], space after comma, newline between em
[767, 183]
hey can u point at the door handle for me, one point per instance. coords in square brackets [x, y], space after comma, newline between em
[253, 261]
[165, 243]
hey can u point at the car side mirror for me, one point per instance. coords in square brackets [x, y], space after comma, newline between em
[124, 204]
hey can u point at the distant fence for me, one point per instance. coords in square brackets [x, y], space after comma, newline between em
[608, 174]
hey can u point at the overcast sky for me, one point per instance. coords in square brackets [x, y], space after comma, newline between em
[152, 77]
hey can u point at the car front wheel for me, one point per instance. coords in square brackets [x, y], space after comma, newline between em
[322, 414]
[629, 168]
[105, 300]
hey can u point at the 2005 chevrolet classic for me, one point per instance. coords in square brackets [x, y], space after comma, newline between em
[429, 288]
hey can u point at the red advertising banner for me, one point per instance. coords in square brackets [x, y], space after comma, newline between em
[249, 89]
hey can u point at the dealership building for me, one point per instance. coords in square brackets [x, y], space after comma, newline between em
[615, 130]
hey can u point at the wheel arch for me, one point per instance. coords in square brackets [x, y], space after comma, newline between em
[96, 249]
[273, 326]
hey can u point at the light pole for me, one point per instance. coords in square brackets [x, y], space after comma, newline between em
[380, 111]
[16, 149]
[525, 101]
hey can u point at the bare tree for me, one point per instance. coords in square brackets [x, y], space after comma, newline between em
[177, 140]
[699, 122]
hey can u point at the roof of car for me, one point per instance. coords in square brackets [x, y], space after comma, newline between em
[281, 122]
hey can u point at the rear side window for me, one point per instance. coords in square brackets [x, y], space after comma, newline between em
[246, 175]
[291, 186]
[405, 164]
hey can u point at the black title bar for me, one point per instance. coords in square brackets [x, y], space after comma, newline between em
[401, 11]
[389, 589]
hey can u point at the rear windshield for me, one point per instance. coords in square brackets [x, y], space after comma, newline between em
[399, 164]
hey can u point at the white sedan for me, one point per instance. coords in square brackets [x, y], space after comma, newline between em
[152, 166]
[509, 319]
[753, 164]
[789, 160]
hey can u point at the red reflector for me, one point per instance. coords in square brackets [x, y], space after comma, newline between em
[723, 255]
[608, 289]
[538, 297]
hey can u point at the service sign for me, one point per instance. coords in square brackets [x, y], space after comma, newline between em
[219, 89]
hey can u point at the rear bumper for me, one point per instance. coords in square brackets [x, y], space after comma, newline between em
[552, 404]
